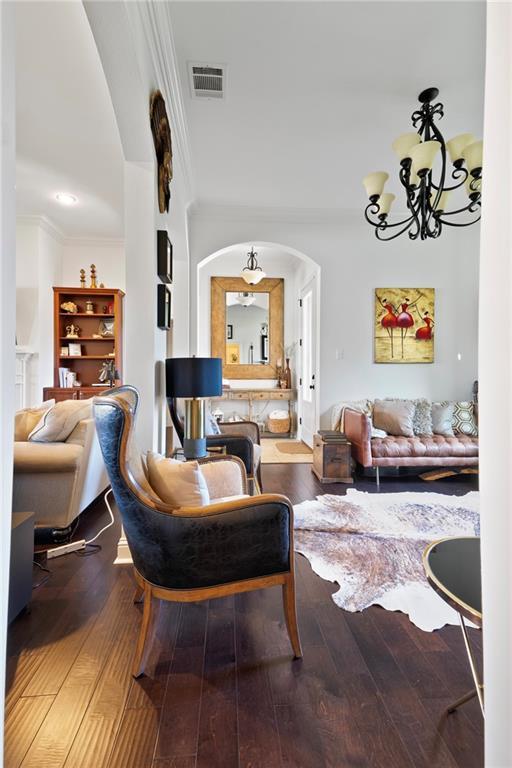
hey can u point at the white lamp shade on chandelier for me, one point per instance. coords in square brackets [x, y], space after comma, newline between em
[374, 183]
[252, 273]
[403, 145]
[473, 155]
[426, 179]
[457, 145]
[246, 299]
[423, 155]
[385, 202]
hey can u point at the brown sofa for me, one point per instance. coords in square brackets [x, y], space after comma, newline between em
[417, 451]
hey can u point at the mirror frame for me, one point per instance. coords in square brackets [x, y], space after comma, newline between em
[274, 286]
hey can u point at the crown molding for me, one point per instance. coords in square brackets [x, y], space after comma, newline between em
[155, 19]
[46, 224]
[95, 242]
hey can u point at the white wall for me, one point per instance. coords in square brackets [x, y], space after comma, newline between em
[353, 263]
[38, 269]
[496, 389]
[7, 317]
[107, 255]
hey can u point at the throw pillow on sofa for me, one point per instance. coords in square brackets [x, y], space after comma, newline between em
[442, 418]
[26, 419]
[394, 416]
[58, 422]
[422, 420]
[464, 421]
[179, 483]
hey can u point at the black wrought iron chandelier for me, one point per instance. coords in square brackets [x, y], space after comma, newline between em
[426, 196]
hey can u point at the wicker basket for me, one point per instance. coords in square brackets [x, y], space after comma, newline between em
[278, 426]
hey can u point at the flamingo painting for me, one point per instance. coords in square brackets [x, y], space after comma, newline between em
[408, 312]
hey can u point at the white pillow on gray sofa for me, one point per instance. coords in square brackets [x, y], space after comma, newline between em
[58, 422]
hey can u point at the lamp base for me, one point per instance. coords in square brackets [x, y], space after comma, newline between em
[194, 448]
[194, 443]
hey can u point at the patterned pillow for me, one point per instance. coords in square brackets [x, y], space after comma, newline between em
[463, 421]
[422, 419]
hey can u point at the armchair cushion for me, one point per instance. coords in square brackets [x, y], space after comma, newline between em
[50, 457]
[224, 477]
[178, 483]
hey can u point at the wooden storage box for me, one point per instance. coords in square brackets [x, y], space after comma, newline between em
[332, 462]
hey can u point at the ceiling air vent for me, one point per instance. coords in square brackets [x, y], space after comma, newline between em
[207, 81]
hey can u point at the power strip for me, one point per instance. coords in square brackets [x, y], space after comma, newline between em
[65, 549]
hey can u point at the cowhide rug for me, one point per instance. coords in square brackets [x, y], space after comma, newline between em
[371, 544]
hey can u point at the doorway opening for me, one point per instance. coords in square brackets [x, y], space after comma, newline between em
[301, 276]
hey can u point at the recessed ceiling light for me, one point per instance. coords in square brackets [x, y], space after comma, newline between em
[65, 199]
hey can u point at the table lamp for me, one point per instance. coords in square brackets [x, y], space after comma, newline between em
[193, 378]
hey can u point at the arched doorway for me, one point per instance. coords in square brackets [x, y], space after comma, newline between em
[301, 276]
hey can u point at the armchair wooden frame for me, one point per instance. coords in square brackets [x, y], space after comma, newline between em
[147, 591]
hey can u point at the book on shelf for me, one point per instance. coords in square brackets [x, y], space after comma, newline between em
[62, 376]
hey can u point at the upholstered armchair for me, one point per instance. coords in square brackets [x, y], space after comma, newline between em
[186, 554]
[240, 438]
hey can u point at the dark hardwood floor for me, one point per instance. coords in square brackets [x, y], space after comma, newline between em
[221, 689]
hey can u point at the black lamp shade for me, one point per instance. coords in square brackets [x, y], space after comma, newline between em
[193, 376]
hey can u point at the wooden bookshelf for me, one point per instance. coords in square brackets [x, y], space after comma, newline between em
[107, 306]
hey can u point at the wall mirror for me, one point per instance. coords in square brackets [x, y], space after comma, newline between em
[247, 326]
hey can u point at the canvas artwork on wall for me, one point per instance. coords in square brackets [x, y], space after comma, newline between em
[404, 325]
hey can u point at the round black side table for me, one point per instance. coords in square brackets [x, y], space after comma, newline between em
[453, 570]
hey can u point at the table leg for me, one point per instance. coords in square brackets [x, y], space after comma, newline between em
[479, 688]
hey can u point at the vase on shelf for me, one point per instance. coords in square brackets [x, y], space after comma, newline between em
[288, 374]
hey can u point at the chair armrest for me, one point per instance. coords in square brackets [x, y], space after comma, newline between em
[358, 431]
[198, 547]
[236, 445]
[247, 428]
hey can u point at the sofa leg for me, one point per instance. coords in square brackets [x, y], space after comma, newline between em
[377, 477]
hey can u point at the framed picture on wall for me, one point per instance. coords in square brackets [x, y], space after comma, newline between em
[163, 307]
[404, 325]
[229, 334]
[164, 256]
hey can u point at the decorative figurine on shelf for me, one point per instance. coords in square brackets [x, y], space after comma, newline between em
[104, 309]
[93, 277]
[89, 307]
[72, 331]
[108, 372]
[102, 285]
[70, 307]
[82, 278]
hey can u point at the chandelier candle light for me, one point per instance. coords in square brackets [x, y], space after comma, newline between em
[427, 197]
[252, 273]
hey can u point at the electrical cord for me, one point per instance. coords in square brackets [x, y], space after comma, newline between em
[89, 548]
[109, 525]
[45, 578]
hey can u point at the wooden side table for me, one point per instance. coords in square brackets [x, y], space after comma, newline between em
[332, 460]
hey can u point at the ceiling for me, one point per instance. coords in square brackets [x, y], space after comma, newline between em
[67, 137]
[317, 91]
